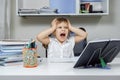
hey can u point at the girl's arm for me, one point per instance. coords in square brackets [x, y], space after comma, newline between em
[43, 36]
[80, 34]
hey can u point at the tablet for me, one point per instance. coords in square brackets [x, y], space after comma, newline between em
[105, 49]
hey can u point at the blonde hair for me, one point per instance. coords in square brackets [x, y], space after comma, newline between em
[61, 19]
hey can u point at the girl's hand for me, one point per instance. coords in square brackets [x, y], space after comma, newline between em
[70, 26]
[54, 24]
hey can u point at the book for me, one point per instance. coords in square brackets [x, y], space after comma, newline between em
[11, 60]
[13, 42]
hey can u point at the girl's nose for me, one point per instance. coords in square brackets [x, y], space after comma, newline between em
[63, 28]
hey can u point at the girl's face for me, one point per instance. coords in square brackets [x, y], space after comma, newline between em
[62, 31]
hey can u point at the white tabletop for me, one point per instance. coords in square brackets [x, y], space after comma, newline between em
[59, 69]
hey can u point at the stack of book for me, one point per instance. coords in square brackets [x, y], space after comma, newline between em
[47, 10]
[11, 50]
[28, 11]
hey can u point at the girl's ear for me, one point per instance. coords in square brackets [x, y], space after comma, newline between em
[68, 34]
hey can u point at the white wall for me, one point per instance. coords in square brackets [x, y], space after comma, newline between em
[96, 26]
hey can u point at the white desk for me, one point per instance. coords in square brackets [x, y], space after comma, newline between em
[60, 71]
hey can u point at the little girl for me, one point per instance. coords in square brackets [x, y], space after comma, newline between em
[61, 45]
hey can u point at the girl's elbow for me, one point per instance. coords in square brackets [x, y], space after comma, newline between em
[85, 35]
[38, 38]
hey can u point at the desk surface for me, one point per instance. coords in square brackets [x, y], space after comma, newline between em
[59, 69]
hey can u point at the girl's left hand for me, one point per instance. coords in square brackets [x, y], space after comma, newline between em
[69, 24]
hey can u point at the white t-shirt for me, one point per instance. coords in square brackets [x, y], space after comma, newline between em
[58, 50]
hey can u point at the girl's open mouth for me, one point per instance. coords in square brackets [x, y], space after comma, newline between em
[62, 34]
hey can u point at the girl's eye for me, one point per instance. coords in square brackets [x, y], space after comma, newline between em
[59, 27]
[66, 27]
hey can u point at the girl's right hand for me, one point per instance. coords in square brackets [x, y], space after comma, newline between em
[54, 24]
